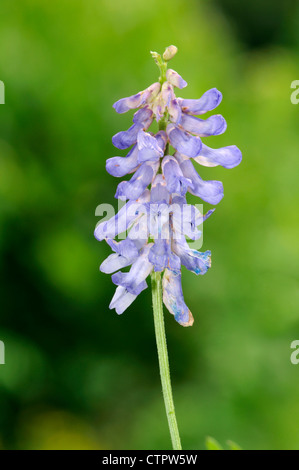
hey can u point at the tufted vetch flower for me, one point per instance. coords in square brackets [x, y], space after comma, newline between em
[162, 169]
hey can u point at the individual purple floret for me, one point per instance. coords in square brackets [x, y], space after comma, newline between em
[156, 217]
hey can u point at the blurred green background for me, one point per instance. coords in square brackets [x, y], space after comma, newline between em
[77, 376]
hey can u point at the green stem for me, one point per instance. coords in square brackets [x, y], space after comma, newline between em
[163, 359]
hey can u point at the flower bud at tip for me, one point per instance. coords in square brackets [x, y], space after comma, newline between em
[170, 52]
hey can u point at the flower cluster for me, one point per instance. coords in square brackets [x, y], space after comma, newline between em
[158, 219]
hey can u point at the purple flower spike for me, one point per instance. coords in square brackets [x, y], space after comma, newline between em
[183, 142]
[209, 101]
[157, 219]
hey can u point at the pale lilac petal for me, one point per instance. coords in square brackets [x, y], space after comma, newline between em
[124, 139]
[158, 255]
[120, 166]
[121, 279]
[174, 300]
[209, 191]
[141, 179]
[148, 148]
[134, 280]
[214, 125]
[119, 223]
[131, 102]
[161, 138]
[158, 221]
[121, 300]
[175, 112]
[167, 94]
[113, 263]
[193, 260]
[135, 101]
[185, 219]
[143, 115]
[228, 157]
[183, 142]
[125, 254]
[125, 248]
[159, 191]
[175, 180]
[142, 120]
[209, 100]
[175, 79]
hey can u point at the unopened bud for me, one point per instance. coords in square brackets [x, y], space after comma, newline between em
[170, 52]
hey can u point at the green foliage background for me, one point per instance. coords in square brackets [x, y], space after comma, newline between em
[77, 376]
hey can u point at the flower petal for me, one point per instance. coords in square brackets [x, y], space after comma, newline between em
[210, 191]
[175, 111]
[148, 148]
[125, 104]
[120, 166]
[175, 180]
[228, 157]
[158, 255]
[159, 191]
[143, 115]
[141, 179]
[185, 219]
[134, 280]
[124, 139]
[214, 125]
[175, 79]
[209, 100]
[193, 260]
[183, 142]
[125, 254]
[122, 220]
[174, 300]
[121, 300]
[142, 120]
[125, 248]
[135, 101]
[113, 263]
